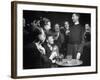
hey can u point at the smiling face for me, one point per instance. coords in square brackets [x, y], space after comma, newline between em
[66, 24]
[50, 40]
[75, 17]
[47, 26]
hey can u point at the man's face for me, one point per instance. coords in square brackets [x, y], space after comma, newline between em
[75, 18]
[50, 40]
[57, 27]
[48, 26]
[87, 27]
[66, 25]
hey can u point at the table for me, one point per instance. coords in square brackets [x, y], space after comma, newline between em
[66, 62]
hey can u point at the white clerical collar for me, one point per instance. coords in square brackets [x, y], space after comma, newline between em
[76, 23]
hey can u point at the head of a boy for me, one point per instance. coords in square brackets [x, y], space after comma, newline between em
[50, 39]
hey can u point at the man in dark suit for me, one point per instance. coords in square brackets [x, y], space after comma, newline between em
[58, 37]
[65, 30]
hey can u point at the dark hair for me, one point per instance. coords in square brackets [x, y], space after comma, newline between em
[36, 33]
[66, 21]
[57, 24]
[77, 14]
[44, 21]
[48, 35]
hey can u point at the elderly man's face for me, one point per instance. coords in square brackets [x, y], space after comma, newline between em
[75, 17]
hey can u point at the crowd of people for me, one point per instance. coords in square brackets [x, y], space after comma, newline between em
[43, 44]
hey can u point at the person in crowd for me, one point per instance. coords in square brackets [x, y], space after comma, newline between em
[86, 56]
[58, 37]
[52, 50]
[35, 23]
[46, 25]
[35, 57]
[28, 29]
[75, 42]
[87, 33]
[65, 30]
[27, 39]
[42, 23]
[26, 33]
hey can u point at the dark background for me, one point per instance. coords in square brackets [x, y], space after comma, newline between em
[55, 17]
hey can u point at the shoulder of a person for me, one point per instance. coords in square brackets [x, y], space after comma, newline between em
[60, 33]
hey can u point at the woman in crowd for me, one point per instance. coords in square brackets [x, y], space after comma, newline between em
[58, 37]
[45, 24]
[86, 56]
[65, 30]
[87, 33]
[35, 57]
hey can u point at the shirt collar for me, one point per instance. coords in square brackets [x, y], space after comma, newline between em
[76, 23]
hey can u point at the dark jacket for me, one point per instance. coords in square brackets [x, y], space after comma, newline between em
[48, 51]
[34, 59]
[60, 40]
